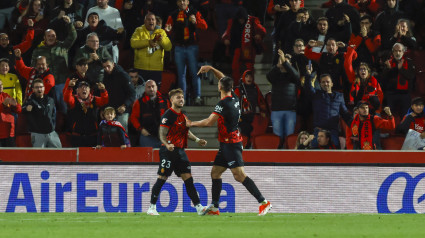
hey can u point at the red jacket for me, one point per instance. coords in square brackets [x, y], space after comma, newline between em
[7, 120]
[29, 73]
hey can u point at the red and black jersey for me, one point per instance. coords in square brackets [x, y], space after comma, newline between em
[176, 123]
[229, 112]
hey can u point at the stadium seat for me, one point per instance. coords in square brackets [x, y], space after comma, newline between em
[23, 140]
[266, 141]
[65, 140]
[291, 141]
[168, 82]
[394, 142]
[259, 125]
[21, 125]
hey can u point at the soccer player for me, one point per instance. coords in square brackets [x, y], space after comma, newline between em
[227, 113]
[173, 134]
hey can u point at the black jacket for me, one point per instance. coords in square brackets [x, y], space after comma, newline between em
[385, 23]
[105, 33]
[120, 89]
[284, 88]
[42, 118]
[336, 13]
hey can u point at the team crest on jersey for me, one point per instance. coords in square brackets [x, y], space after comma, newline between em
[218, 108]
[164, 120]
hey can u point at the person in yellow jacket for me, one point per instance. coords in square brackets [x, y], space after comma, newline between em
[149, 43]
[10, 81]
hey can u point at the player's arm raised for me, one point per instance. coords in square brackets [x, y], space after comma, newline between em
[217, 73]
[192, 137]
[210, 121]
[163, 131]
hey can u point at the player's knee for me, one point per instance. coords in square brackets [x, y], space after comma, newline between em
[163, 177]
[240, 177]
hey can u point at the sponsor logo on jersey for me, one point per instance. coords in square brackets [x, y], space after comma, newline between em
[164, 120]
[231, 163]
[218, 108]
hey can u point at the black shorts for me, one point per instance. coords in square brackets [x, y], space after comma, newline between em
[229, 155]
[170, 161]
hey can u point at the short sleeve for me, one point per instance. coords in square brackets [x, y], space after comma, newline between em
[219, 108]
[168, 119]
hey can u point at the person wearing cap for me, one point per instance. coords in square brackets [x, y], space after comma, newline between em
[414, 119]
[364, 125]
[79, 75]
[83, 112]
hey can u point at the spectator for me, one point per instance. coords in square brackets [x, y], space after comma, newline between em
[403, 35]
[284, 79]
[69, 8]
[80, 74]
[149, 43]
[364, 126]
[138, 82]
[298, 59]
[225, 10]
[414, 119]
[331, 62]
[285, 19]
[366, 43]
[386, 21]
[6, 49]
[328, 107]
[243, 36]
[132, 17]
[35, 12]
[321, 35]
[109, 14]
[146, 115]
[8, 107]
[94, 53]
[111, 132]
[342, 13]
[10, 82]
[41, 114]
[398, 79]
[56, 54]
[301, 28]
[365, 87]
[257, 8]
[112, 18]
[41, 70]
[251, 102]
[107, 35]
[6, 9]
[182, 24]
[304, 138]
[120, 89]
[324, 141]
[366, 7]
[84, 108]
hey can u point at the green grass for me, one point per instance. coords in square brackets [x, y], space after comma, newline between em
[182, 225]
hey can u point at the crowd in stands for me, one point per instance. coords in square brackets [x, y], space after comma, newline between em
[94, 73]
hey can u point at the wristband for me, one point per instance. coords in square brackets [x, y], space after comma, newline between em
[197, 140]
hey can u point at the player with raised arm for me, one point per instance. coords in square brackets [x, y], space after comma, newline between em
[173, 134]
[227, 113]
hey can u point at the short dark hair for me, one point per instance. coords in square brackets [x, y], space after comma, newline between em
[82, 61]
[108, 59]
[302, 10]
[37, 80]
[4, 60]
[92, 13]
[133, 70]
[227, 83]
[368, 17]
[327, 133]
[322, 19]
[175, 91]
[323, 76]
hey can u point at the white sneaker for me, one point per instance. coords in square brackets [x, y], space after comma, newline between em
[152, 210]
[200, 209]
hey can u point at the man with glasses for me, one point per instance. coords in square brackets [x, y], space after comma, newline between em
[6, 49]
[94, 53]
[41, 115]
